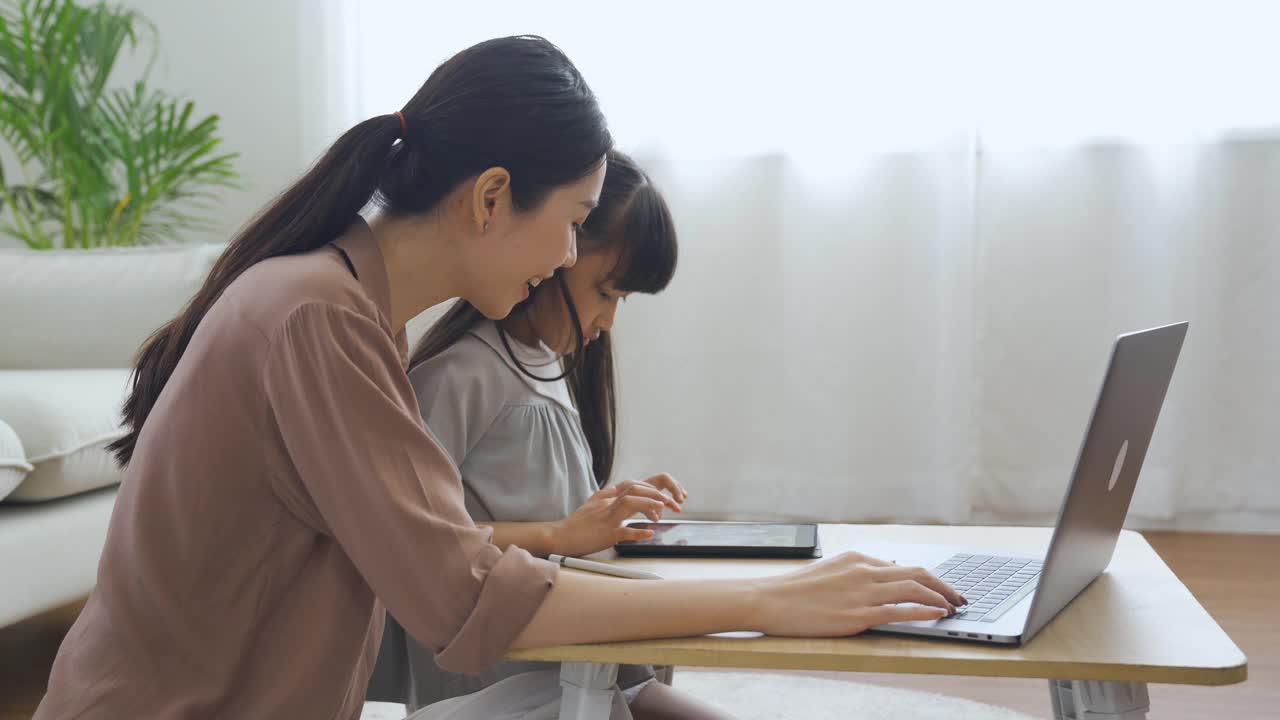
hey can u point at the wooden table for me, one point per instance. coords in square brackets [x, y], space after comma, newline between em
[1136, 624]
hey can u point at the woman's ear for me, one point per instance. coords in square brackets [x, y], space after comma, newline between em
[491, 198]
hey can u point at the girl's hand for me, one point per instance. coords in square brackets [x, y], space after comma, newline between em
[597, 525]
[664, 481]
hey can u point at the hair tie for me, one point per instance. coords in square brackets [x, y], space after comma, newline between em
[404, 126]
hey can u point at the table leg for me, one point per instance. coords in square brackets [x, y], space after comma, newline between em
[1096, 700]
[587, 690]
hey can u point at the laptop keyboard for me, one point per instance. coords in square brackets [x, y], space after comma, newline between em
[992, 584]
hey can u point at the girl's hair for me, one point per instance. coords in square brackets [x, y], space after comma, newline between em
[633, 218]
[514, 102]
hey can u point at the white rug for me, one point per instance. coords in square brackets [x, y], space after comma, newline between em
[382, 711]
[757, 696]
[767, 696]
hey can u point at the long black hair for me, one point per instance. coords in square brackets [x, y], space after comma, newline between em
[633, 219]
[514, 102]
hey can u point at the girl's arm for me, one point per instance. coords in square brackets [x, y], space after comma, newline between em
[595, 526]
[538, 538]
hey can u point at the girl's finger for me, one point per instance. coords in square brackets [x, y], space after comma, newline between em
[607, 492]
[625, 486]
[625, 534]
[664, 481]
[628, 505]
[644, 490]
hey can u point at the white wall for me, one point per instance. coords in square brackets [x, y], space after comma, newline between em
[263, 66]
[242, 60]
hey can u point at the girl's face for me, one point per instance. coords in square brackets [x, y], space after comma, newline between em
[523, 248]
[594, 296]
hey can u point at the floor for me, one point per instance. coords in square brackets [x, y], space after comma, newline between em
[1236, 577]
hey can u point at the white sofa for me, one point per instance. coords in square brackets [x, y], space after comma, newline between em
[70, 323]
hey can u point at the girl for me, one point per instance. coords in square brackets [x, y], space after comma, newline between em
[278, 467]
[525, 407]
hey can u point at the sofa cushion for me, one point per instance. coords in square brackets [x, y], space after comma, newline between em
[13, 460]
[49, 556]
[92, 308]
[64, 419]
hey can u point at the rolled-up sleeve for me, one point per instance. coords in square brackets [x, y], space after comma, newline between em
[388, 494]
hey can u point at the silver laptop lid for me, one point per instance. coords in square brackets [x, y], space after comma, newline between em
[1107, 468]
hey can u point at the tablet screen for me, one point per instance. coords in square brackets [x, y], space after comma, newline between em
[726, 535]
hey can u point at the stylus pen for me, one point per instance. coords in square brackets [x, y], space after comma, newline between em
[602, 568]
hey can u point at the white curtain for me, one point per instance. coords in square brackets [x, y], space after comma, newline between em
[910, 234]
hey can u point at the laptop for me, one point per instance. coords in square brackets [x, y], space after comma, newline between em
[1011, 597]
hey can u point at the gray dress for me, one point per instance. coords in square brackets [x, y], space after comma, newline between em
[524, 458]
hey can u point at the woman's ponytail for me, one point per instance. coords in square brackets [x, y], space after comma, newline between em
[310, 214]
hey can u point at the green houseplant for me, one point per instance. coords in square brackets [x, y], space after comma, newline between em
[90, 164]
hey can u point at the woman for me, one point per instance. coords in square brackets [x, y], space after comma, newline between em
[280, 483]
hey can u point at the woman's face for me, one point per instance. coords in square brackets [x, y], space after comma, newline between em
[521, 249]
[594, 296]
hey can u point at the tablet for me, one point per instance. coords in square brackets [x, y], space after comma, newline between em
[725, 539]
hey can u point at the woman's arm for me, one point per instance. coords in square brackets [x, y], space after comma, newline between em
[837, 597]
[584, 608]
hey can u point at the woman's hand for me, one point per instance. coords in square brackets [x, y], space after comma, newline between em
[848, 594]
[597, 525]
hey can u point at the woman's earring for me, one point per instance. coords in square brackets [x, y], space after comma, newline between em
[486, 228]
